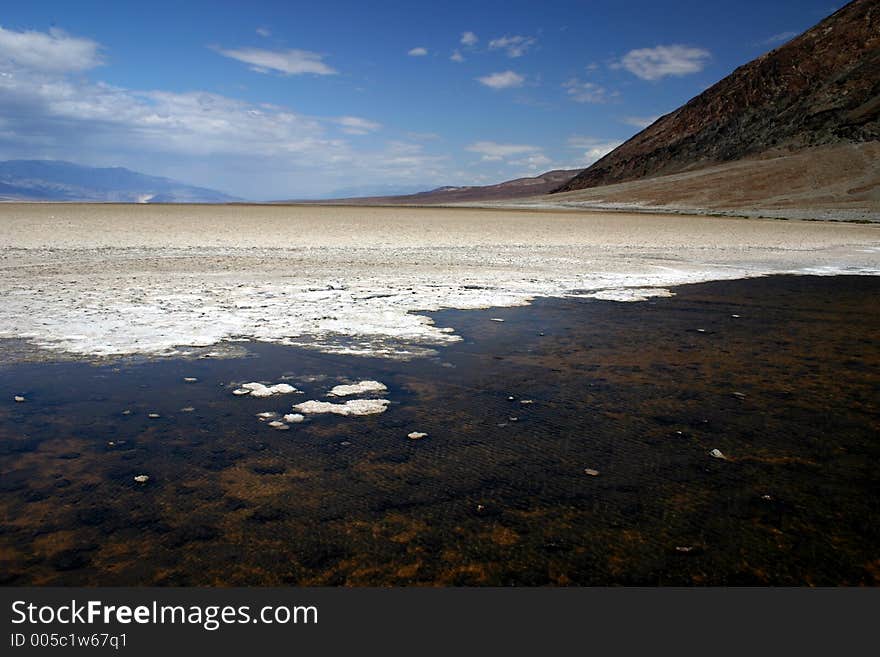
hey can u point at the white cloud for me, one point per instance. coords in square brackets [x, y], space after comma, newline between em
[52, 52]
[457, 57]
[587, 92]
[778, 38]
[354, 125]
[493, 151]
[288, 62]
[503, 80]
[264, 31]
[469, 39]
[655, 63]
[593, 149]
[639, 121]
[516, 46]
[423, 136]
[418, 52]
[533, 162]
[249, 149]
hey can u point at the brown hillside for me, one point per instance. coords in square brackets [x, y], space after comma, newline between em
[821, 88]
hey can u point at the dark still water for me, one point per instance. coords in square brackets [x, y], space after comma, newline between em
[496, 493]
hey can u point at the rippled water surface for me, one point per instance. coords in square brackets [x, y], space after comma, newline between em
[496, 493]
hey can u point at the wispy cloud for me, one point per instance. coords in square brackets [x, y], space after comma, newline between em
[658, 62]
[267, 150]
[456, 57]
[502, 80]
[418, 52]
[492, 151]
[288, 62]
[355, 125]
[264, 31]
[593, 148]
[515, 46]
[778, 38]
[639, 121]
[52, 52]
[587, 92]
[532, 162]
[423, 136]
[469, 39]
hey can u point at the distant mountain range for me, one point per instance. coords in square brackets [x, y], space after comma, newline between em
[532, 186]
[55, 180]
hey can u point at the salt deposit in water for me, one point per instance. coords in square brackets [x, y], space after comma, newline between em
[261, 390]
[364, 387]
[351, 407]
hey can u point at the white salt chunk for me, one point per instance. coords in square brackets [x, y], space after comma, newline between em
[351, 407]
[364, 387]
[261, 390]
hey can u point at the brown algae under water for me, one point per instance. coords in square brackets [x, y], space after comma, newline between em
[570, 444]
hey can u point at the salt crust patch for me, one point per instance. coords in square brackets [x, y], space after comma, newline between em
[73, 302]
[362, 388]
[166, 316]
[261, 390]
[351, 407]
[629, 294]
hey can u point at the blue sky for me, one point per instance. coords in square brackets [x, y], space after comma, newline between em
[271, 100]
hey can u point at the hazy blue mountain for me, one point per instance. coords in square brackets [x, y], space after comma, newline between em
[370, 190]
[55, 180]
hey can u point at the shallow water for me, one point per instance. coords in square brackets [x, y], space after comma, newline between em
[635, 391]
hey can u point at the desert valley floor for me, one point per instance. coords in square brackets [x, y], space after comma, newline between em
[604, 398]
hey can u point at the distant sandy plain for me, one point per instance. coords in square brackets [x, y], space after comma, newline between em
[94, 281]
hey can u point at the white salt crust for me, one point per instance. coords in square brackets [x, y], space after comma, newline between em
[261, 390]
[351, 407]
[362, 388]
[96, 281]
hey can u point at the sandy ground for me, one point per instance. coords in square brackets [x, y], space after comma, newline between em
[105, 280]
[828, 183]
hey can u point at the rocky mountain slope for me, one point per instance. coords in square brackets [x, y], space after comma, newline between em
[840, 182]
[822, 88]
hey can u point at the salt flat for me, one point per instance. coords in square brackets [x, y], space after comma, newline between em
[105, 280]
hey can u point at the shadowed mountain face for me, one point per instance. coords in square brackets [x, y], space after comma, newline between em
[822, 88]
[53, 180]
